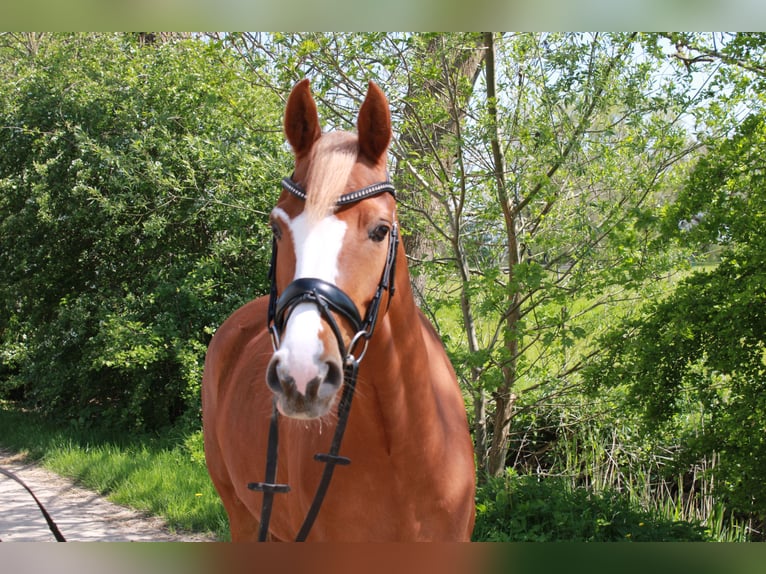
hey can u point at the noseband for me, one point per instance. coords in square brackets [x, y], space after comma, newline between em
[330, 300]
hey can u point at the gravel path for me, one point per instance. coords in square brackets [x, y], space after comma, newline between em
[80, 515]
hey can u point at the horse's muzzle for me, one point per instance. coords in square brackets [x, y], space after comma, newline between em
[312, 399]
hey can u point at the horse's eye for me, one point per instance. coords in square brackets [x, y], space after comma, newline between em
[379, 233]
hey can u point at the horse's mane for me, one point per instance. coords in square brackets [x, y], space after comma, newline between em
[332, 158]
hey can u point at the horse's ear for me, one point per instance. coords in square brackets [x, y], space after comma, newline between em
[301, 119]
[374, 124]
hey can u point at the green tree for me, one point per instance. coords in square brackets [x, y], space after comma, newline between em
[544, 158]
[562, 160]
[134, 181]
[694, 363]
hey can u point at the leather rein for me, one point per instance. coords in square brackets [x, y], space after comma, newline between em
[328, 299]
[51, 524]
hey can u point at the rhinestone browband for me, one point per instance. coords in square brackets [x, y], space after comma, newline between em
[346, 198]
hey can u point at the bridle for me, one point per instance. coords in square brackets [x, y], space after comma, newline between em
[326, 296]
[328, 299]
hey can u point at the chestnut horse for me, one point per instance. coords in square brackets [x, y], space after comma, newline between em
[277, 365]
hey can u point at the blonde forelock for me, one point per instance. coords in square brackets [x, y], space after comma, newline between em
[332, 160]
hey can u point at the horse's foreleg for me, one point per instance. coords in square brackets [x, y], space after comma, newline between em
[243, 526]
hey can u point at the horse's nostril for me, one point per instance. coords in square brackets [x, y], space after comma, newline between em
[334, 375]
[272, 377]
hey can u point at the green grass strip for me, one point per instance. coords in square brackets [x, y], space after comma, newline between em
[162, 477]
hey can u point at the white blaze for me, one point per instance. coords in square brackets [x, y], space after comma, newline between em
[317, 247]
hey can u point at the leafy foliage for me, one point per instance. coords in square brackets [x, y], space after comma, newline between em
[133, 182]
[134, 177]
[527, 509]
[695, 362]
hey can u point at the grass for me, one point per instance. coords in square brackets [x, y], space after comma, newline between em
[167, 477]
[161, 477]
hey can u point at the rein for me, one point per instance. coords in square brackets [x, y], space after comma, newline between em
[51, 524]
[328, 298]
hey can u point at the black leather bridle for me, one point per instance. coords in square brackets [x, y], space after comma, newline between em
[329, 300]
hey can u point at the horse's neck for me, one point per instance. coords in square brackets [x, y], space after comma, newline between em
[405, 366]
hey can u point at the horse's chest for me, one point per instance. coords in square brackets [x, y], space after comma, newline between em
[366, 500]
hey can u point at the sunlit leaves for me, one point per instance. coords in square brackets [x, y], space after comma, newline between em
[700, 351]
[138, 177]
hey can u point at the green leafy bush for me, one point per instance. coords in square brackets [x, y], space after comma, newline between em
[692, 364]
[134, 182]
[532, 509]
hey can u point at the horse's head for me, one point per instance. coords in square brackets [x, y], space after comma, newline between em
[331, 250]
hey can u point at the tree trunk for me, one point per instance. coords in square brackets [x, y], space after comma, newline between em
[419, 140]
[503, 396]
[425, 139]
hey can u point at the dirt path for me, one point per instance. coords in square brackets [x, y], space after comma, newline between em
[81, 515]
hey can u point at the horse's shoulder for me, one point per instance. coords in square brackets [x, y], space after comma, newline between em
[247, 321]
[240, 329]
